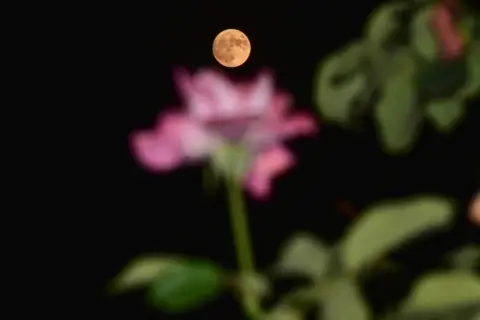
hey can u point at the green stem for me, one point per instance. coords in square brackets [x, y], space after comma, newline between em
[243, 247]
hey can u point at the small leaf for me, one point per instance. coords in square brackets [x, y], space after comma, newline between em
[304, 255]
[386, 226]
[344, 301]
[446, 113]
[444, 290]
[186, 286]
[466, 257]
[472, 87]
[339, 82]
[252, 284]
[397, 114]
[141, 271]
[284, 312]
[383, 23]
[457, 312]
[382, 34]
[423, 39]
[294, 305]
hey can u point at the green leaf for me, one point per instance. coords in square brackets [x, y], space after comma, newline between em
[466, 257]
[386, 226]
[422, 37]
[457, 312]
[304, 255]
[252, 284]
[441, 79]
[383, 23]
[141, 271]
[343, 301]
[338, 82]
[294, 304]
[472, 87]
[186, 286]
[284, 312]
[446, 113]
[444, 290]
[397, 114]
[381, 33]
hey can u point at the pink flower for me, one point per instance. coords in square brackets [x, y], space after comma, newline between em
[220, 112]
[447, 30]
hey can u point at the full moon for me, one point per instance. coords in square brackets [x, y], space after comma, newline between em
[231, 48]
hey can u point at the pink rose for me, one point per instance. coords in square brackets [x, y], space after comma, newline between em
[219, 112]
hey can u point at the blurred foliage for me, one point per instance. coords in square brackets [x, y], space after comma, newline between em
[386, 226]
[255, 285]
[174, 285]
[381, 229]
[141, 272]
[306, 256]
[343, 301]
[336, 271]
[467, 257]
[186, 286]
[448, 295]
[284, 312]
[399, 58]
[396, 113]
[340, 83]
[443, 290]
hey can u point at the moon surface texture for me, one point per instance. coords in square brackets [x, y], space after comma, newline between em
[231, 48]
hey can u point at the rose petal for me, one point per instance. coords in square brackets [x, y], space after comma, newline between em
[199, 104]
[259, 96]
[273, 130]
[175, 139]
[154, 152]
[279, 106]
[298, 124]
[197, 142]
[183, 82]
[222, 95]
[212, 97]
[267, 166]
[192, 138]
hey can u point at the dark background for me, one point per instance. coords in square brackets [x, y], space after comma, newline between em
[171, 213]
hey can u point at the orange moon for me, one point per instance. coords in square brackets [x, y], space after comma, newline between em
[231, 48]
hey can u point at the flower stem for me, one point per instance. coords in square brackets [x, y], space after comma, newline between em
[243, 247]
